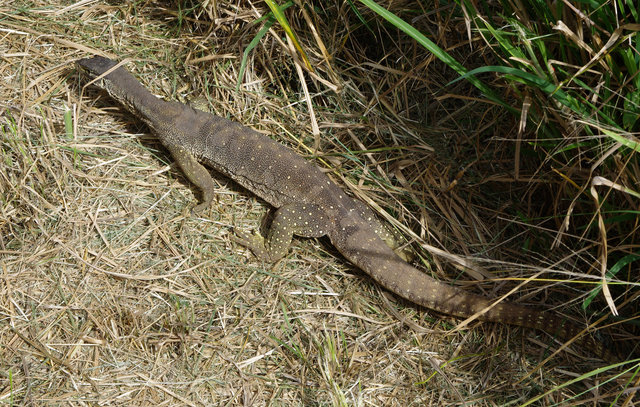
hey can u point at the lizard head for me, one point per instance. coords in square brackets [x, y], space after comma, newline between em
[95, 66]
[117, 82]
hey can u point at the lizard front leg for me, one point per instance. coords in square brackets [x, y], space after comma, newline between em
[301, 219]
[196, 173]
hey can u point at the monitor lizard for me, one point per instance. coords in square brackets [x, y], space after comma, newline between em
[308, 203]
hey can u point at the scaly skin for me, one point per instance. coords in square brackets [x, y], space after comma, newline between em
[308, 203]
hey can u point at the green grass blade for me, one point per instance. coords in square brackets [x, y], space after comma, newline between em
[282, 19]
[530, 79]
[434, 49]
[632, 144]
[254, 42]
[610, 368]
[358, 14]
[270, 19]
[68, 124]
[620, 264]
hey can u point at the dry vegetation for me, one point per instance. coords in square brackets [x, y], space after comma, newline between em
[112, 293]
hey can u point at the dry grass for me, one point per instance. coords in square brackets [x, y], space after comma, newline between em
[111, 293]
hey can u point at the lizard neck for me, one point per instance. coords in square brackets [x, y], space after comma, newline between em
[126, 89]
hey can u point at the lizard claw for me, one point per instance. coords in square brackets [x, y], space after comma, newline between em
[199, 209]
[253, 242]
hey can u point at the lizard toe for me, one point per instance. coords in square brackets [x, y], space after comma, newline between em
[253, 242]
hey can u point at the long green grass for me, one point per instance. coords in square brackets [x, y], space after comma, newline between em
[571, 71]
[578, 69]
[575, 83]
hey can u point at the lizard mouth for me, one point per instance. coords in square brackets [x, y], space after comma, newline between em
[96, 65]
[97, 69]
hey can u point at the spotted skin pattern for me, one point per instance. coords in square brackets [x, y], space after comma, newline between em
[308, 203]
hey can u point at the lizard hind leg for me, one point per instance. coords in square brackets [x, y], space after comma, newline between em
[300, 219]
[390, 236]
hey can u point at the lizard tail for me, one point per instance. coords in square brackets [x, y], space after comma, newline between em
[367, 251]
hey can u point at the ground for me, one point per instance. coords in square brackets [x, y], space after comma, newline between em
[113, 293]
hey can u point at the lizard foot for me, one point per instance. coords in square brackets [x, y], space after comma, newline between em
[255, 243]
[199, 209]
[405, 253]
